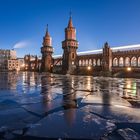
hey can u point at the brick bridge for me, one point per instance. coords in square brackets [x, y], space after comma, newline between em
[118, 59]
[106, 60]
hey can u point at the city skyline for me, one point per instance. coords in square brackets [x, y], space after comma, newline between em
[23, 24]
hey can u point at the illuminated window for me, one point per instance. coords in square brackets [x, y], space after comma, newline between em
[83, 62]
[127, 61]
[139, 62]
[90, 62]
[121, 62]
[94, 62]
[134, 61]
[72, 63]
[98, 62]
[115, 62]
[80, 63]
[86, 62]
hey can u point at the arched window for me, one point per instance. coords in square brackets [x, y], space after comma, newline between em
[72, 55]
[127, 61]
[94, 62]
[121, 62]
[98, 62]
[139, 62]
[86, 62]
[83, 63]
[90, 62]
[134, 61]
[115, 62]
[80, 63]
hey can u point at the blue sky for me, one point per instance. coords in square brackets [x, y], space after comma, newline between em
[23, 23]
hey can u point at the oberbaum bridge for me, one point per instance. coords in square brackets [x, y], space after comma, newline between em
[106, 61]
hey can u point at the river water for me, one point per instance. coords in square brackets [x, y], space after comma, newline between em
[40, 105]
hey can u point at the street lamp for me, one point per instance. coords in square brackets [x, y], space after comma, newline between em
[129, 69]
[89, 68]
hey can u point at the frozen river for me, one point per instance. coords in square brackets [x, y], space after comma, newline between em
[41, 106]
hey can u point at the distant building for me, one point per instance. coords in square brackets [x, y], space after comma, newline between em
[5, 56]
[13, 64]
[32, 63]
[21, 63]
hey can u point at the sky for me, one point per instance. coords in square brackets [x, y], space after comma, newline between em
[23, 23]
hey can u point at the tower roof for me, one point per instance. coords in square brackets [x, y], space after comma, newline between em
[47, 32]
[70, 24]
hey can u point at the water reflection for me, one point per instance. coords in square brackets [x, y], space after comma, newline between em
[27, 82]
[8, 81]
[105, 86]
[69, 96]
[46, 92]
[69, 99]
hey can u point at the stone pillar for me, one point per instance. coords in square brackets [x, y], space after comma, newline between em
[107, 58]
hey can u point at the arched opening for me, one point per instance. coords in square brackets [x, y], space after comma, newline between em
[86, 62]
[83, 63]
[121, 62]
[80, 63]
[98, 62]
[134, 61]
[127, 61]
[115, 62]
[72, 55]
[90, 62]
[139, 62]
[94, 62]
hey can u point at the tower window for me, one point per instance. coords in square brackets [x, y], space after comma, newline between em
[72, 63]
[73, 55]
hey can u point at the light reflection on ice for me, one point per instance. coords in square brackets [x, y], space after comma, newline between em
[97, 99]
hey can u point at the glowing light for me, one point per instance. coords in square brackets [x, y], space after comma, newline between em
[129, 69]
[89, 68]
[23, 65]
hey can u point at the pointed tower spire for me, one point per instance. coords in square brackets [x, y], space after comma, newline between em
[47, 32]
[70, 24]
[47, 40]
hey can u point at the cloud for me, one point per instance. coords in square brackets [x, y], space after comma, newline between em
[21, 44]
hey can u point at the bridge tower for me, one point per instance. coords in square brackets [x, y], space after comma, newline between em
[46, 50]
[69, 46]
[107, 58]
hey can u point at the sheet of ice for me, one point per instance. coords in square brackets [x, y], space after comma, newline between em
[115, 113]
[72, 123]
[16, 118]
[129, 134]
[105, 99]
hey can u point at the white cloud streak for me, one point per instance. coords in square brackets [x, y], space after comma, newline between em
[21, 44]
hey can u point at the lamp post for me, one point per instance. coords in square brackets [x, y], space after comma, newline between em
[129, 69]
[88, 68]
